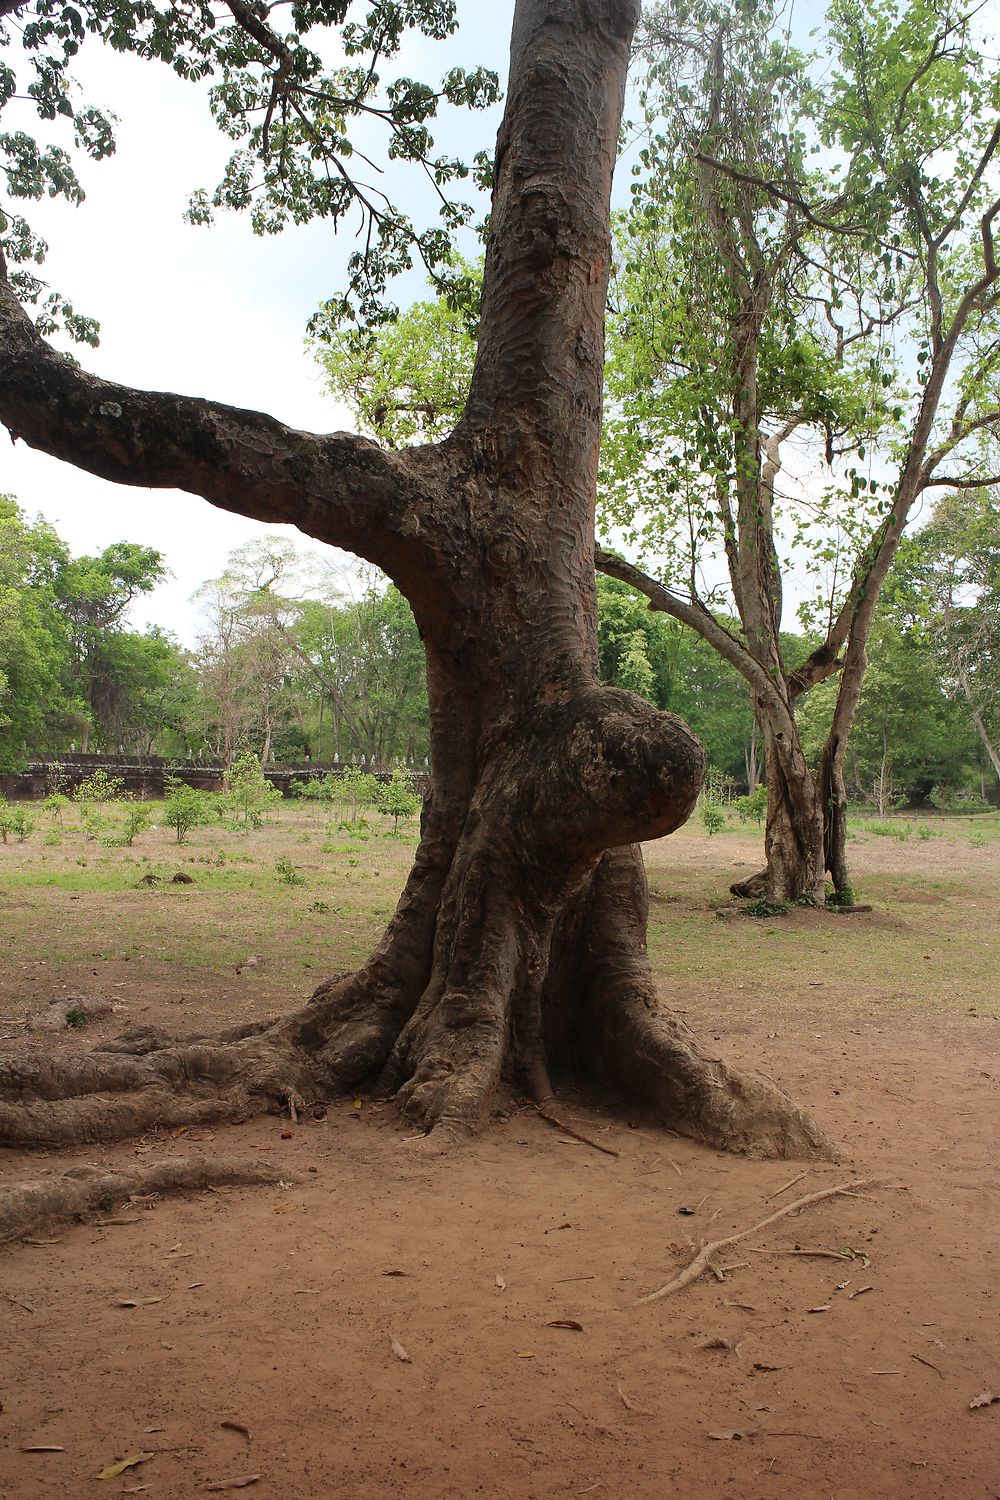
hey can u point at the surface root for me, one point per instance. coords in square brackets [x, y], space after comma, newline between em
[703, 1260]
[36, 1205]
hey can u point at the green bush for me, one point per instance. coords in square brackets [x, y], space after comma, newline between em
[249, 795]
[754, 805]
[95, 824]
[712, 816]
[759, 906]
[14, 823]
[138, 817]
[186, 808]
[357, 789]
[397, 799]
[958, 799]
[99, 787]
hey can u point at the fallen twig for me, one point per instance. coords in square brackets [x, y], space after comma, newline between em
[577, 1135]
[809, 1254]
[784, 1189]
[702, 1260]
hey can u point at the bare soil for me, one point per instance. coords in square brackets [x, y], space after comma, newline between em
[277, 1308]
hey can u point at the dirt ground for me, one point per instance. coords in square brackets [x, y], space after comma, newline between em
[283, 1310]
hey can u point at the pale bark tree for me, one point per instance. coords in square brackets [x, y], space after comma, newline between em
[794, 282]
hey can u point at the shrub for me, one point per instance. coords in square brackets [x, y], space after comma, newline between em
[397, 799]
[55, 805]
[185, 808]
[759, 906]
[95, 824]
[99, 787]
[14, 822]
[712, 815]
[957, 799]
[249, 795]
[754, 805]
[358, 788]
[137, 819]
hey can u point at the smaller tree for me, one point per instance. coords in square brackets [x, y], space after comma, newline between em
[397, 798]
[249, 795]
[951, 572]
[764, 298]
[185, 808]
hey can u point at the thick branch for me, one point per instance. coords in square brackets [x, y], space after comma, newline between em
[693, 614]
[953, 482]
[337, 487]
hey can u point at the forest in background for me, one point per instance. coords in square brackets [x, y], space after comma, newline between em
[288, 668]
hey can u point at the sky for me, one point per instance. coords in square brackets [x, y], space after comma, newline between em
[214, 312]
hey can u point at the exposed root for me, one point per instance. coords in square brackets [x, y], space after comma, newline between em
[659, 1060]
[571, 1130]
[113, 1093]
[703, 1260]
[37, 1205]
[502, 990]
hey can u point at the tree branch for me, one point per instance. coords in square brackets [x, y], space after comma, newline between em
[953, 482]
[692, 612]
[337, 487]
[776, 191]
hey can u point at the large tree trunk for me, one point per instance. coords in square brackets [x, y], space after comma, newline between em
[518, 946]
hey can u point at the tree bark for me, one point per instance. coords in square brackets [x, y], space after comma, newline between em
[518, 945]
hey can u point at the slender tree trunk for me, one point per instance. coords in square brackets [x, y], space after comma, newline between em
[975, 713]
[751, 759]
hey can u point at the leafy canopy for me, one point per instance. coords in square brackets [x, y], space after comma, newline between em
[298, 90]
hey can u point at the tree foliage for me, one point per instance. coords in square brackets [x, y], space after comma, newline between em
[299, 126]
[807, 278]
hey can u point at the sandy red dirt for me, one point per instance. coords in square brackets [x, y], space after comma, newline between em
[276, 1311]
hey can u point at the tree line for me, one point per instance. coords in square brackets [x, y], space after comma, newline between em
[288, 670]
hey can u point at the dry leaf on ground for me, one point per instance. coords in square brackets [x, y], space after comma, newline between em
[628, 1403]
[113, 1470]
[986, 1399]
[399, 1351]
[234, 1484]
[566, 1323]
[240, 1427]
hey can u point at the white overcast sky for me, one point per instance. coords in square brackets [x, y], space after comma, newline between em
[211, 312]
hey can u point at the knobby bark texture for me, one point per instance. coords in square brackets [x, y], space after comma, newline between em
[517, 951]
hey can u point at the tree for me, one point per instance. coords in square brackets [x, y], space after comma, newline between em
[94, 594]
[954, 596]
[909, 735]
[406, 381]
[368, 661]
[764, 300]
[36, 705]
[249, 647]
[519, 940]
